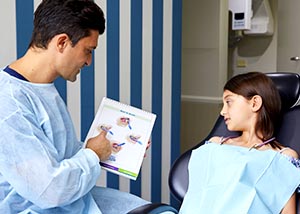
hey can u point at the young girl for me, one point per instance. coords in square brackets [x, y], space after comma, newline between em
[251, 173]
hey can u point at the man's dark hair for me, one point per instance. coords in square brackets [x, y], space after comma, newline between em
[73, 17]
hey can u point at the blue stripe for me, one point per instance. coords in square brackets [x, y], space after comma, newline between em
[136, 69]
[24, 19]
[61, 86]
[176, 85]
[113, 64]
[87, 103]
[157, 99]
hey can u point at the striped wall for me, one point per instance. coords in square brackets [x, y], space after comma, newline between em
[138, 61]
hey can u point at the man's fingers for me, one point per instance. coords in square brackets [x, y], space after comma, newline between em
[103, 133]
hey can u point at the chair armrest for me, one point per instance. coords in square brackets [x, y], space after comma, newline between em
[154, 208]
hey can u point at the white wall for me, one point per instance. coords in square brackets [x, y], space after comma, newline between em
[7, 24]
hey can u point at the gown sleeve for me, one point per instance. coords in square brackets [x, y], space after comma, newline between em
[37, 169]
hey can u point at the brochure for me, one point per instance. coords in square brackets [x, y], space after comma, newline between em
[129, 130]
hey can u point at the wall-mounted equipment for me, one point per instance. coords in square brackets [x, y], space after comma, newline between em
[254, 17]
[241, 14]
[262, 22]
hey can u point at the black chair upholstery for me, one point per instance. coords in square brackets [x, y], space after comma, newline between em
[288, 134]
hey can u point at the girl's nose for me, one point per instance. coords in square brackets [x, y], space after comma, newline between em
[222, 112]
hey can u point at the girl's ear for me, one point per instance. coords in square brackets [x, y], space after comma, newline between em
[256, 103]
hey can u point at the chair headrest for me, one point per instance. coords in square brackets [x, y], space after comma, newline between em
[288, 85]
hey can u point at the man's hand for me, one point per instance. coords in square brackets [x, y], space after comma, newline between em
[148, 145]
[100, 145]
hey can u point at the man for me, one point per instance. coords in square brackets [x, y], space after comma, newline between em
[43, 167]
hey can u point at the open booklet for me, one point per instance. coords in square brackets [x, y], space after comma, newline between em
[129, 130]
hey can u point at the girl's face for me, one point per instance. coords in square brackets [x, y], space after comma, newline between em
[238, 112]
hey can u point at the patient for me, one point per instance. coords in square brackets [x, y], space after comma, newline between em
[251, 173]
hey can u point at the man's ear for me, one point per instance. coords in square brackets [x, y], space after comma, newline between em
[62, 41]
[256, 102]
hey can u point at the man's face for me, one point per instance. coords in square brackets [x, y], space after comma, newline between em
[78, 56]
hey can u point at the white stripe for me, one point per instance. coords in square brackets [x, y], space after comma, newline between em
[146, 90]
[73, 103]
[8, 43]
[167, 99]
[36, 3]
[125, 66]
[100, 62]
[100, 76]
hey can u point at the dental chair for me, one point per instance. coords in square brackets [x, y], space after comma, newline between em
[288, 134]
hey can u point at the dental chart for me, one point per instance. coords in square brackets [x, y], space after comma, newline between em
[128, 129]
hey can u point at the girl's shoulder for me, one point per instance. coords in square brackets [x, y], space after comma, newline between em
[215, 139]
[289, 152]
[218, 140]
[292, 156]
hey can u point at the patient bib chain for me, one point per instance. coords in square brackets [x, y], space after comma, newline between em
[255, 146]
[258, 145]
